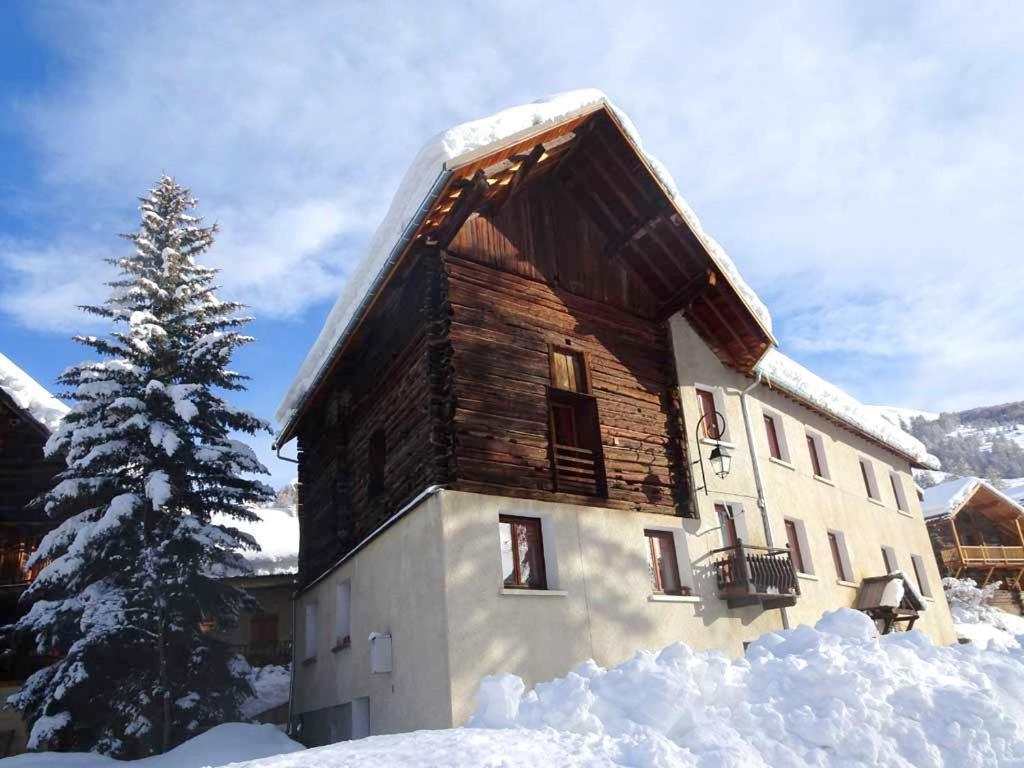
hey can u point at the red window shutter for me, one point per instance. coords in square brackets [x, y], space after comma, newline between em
[812, 449]
[773, 438]
[709, 419]
[794, 546]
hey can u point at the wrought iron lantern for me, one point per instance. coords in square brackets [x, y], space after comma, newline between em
[720, 457]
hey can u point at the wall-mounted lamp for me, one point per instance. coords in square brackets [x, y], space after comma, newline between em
[720, 458]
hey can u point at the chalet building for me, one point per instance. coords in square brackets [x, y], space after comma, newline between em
[977, 531]
[548, 422]
[28, 415]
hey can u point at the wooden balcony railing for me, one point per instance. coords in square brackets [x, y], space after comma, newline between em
[577, 471]
[748, 575]
[983, 556]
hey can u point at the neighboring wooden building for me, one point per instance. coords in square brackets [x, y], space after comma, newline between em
[977, 531]
[28, 415]
[506, 429]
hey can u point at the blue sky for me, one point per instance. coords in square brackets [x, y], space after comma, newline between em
[860, 162]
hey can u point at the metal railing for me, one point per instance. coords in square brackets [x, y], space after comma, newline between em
[745, 570]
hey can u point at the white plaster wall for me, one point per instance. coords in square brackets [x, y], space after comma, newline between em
[397, 588]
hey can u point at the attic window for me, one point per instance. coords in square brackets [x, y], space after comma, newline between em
[377, 463]
[569, 370]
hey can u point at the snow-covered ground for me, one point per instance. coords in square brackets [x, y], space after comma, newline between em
[979, 622]
[830, 695]
[273, 688]
[224, 744]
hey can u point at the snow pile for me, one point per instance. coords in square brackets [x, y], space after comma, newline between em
[788, 375]
[30, 396]
[413, 199]
[224, 744]
[276, 533]
[834, 694]
[978, 621]
[273, 688]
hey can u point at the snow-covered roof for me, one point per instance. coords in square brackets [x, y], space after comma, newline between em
[30, 396]
[788, 375]
[945, 499]
[413, 200]
[277, 533]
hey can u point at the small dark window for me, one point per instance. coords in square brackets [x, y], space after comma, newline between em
[868, 475]
[897, 492]
[662, 564]
[922, 577]
[773, 437]
[522, 553]
[378, 457]
[794, 546]
[708, 415]
[889, 558]
[837, 558]
[812, 449]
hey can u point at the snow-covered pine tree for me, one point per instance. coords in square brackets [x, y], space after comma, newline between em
[129, 586]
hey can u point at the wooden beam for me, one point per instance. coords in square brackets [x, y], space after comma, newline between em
[526, 164]
[474, 192]
[689, 293]
[636, 230]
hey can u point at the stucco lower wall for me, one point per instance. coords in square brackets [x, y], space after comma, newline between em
[396, 587]
[599, 600]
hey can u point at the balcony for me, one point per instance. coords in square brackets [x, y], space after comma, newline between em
[260, 654]
[751, 575]
[577, 470]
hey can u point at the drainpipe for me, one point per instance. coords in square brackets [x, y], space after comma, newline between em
[755, 463]
[291, 681]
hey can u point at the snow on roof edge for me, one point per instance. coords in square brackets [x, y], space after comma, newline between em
[413, 195]
[785, 373]
[31, 396]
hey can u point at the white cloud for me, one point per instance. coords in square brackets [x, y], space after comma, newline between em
[861, 163]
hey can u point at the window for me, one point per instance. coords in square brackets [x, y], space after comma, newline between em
[662, 563]
[796, 537]
[921, 575]
[897, 492]
[574, 428]
[816, 451]
[343, 621]
[310, 631]
[263, 629]
[867, 472]
[522, 553]
[377, 461]
[569, 370]
[840, 555]
[710, 424]
[776, 437]
[889, 558]
[730, 536]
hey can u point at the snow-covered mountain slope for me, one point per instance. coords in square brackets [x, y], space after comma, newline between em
[987, 442]
[276, 532]
[978, 621]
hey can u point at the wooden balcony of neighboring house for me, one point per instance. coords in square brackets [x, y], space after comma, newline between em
[1005, 559]
[751, 575]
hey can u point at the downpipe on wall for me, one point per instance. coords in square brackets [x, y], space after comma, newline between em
[755, 464]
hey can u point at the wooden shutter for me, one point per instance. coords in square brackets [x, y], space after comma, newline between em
[773, 437]
[794, 546]
[709, 419]
[812, 449]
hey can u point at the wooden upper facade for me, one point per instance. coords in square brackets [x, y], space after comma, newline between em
[520, 347]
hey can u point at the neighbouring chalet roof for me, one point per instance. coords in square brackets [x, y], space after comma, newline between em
[30, 397]
[789, 376]
[630, 196]
[947, 499]
[479, 161]
[277, 533]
